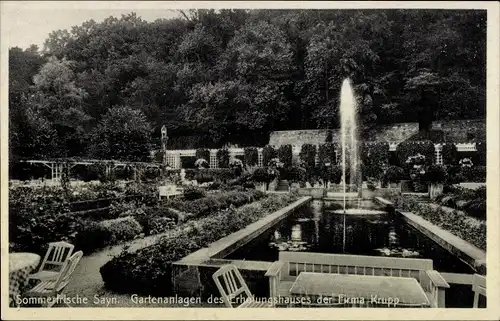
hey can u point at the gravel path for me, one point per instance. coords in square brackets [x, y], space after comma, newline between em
[86, 281]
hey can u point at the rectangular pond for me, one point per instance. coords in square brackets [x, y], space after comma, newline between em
[319, 227]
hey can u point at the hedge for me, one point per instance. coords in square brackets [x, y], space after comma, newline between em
[410, 148]
[285, 155]
[268, 153]
[251, 156]
[203, 153]
[308, 155]
[215, 202]
[96, 235]
[457, 222]
[223, 158]
[393, 174]
[210, 174]
[450, 154]
[326, 154]
[148, 271]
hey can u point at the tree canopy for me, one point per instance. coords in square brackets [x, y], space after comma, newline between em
[232, 76]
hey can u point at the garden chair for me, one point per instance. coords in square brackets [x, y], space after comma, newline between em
[55, 257]
[50, 289]
[478, 287]
[234, 287]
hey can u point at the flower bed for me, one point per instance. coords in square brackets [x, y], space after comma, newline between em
[458, 223]
[473, 202]
[32, 231]
[148, 271]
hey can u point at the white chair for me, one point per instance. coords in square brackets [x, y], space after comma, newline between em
[234, 287]
[50, 289]
[55, 257]
[479, 288]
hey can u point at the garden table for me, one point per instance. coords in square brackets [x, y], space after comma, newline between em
[20, 267]
[359, 290]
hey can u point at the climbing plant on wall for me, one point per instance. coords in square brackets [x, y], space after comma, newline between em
[268, 153]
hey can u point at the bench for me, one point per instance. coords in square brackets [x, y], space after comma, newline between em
[169, 191]
[283, 272]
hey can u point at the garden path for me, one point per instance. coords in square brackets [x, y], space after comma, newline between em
[86, 280]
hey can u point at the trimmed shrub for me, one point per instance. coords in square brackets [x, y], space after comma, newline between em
[329, 136]
[394, 174]
[223, 158]
[326, 154]
[203, 153]
[262, 175]
[193, 193]
[285, 155]
[409, 148]
[308, 155]
[96, 235]
[450, 154]
[453, 174]
[251, 156]
[372, 172]
[435, 174]
[295, 174]
[480, 158]
[268, 153]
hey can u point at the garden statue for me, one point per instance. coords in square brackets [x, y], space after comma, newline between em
[183, 175]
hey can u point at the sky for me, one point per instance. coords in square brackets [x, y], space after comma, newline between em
[26, 25]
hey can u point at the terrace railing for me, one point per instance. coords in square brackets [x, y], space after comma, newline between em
[282, 273]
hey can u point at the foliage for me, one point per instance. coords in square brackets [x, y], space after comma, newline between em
[233, 76]
[95, 235]
[436, 174]
[450, 155]
[408, 149]
[263, 175]
[268, 153]
[375, 154]
[456, 222]
[149, 270]
[473, 174]
[308, 155]
[124, 134]
[285, 155]
[193, 193]
[326, 154]
[251, 156]
[296, 174]
[481, 153]
[203, 153]
[223, 158]
[210, 174]
[215, 202]
[394, 174]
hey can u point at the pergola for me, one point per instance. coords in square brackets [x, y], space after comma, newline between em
[58, 165]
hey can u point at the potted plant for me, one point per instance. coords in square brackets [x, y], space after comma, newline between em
[393, 176]
[262, 177]
[276, 169]
[435, 177]
[296, 175]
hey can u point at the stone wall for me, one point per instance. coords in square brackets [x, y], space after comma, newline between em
[458, 131]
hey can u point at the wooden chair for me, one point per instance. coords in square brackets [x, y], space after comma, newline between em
[49, 288]
[478, 287]
[55, 257]
[234, 287]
